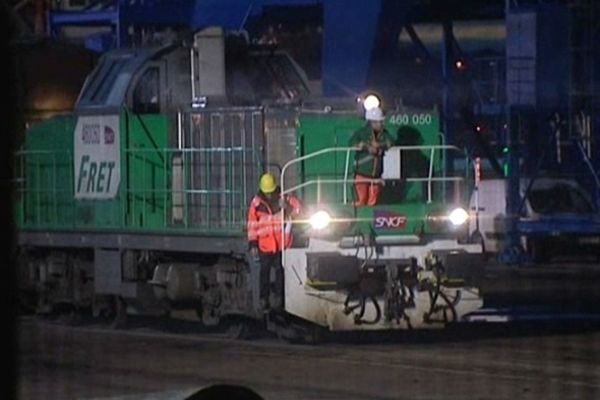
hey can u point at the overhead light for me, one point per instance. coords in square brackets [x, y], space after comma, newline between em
[320, 220]
[371, 101]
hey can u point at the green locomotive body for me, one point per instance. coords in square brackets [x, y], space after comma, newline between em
[137, 201]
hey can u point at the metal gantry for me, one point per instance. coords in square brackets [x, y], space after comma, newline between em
[126, 17]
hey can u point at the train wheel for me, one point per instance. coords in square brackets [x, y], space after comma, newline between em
[238, 328]
[315, 335]
[70, 318]
[102, 307]
[304, 334]
[119, 319]
[295, 331]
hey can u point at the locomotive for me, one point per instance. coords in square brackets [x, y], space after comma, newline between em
[136, 202]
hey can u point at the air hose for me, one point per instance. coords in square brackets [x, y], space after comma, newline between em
[362, 304]
[356, 292]
[434, 294]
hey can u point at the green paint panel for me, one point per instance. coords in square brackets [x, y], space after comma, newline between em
[410, 128]
[145, 202]
[45, 184]
[318, 132]
[47, 196]
[398, 199]
[148, 172]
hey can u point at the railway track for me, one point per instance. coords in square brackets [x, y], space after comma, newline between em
[509, 354]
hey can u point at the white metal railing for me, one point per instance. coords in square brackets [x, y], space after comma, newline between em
[429, 179]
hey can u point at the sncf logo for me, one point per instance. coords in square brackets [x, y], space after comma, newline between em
[388, 220]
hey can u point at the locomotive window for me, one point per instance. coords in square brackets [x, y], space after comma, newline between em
[97, 79]
[107, 81]
[146, 93]
[104, 81]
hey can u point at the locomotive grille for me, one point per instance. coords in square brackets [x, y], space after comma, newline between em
[226, 150]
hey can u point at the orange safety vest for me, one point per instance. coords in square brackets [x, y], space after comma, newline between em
[264, 225]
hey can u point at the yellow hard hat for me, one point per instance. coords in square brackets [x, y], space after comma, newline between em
[267, 184]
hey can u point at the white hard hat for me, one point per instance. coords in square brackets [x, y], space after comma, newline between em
[374, 114]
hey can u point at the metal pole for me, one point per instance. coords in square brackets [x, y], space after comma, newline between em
[179, 130]
[446, 77]
[193, 73]
[346, 171]
[430, 175]
[511, 254]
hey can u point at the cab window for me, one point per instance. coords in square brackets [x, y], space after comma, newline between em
[146, 96]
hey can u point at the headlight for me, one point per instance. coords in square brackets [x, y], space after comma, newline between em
[458, 216]
[320, 220]
[371, 101]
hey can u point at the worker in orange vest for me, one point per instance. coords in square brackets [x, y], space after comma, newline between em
[371, 141]
[267, 236]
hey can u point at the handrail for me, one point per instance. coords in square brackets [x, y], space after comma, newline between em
[25, 152]
[312, 155]
[229, 149]
[150, 197]
[347, 150]
[429, 179]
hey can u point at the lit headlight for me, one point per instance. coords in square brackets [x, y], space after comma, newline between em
[458, 216]
[320, 220]
[371, 101]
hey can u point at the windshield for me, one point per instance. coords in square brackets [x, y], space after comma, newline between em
[560, 199]
[108, 84]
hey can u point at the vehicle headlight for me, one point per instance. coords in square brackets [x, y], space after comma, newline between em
[371, 101]
[320, 220]
[458, 216]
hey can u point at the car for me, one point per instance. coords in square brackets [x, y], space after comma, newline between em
[557, 214]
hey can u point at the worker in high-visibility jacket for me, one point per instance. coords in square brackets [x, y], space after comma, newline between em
[371, 141]
[267, 236]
